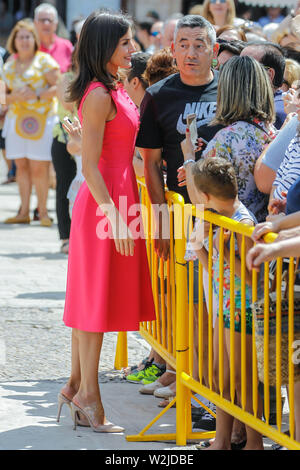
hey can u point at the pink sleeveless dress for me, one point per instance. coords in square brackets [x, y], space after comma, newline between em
[105, 290]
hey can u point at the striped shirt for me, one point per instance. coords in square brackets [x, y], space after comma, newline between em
[289, 170]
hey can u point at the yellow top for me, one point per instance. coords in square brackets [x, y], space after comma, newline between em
[34, 77]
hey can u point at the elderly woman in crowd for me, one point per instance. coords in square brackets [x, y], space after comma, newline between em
[30, 77]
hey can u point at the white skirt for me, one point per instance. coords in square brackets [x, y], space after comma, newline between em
[18, 147]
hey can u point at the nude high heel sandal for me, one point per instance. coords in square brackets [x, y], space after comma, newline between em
[62, 400]
[87, 412]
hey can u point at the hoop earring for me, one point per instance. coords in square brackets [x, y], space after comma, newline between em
[214, 63]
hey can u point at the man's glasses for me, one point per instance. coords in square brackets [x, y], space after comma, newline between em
[45, 20]
[155, 33]
[220, 1]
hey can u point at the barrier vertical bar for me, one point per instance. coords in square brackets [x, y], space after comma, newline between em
[200, 322]
[221, 318]
[254, 357]
[210, 308]
[243, 324]
[266, 345]
[290, 345]
[182, 352]
[121, 357]
[232, 317]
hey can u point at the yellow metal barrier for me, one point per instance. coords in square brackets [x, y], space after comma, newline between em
[179, 330]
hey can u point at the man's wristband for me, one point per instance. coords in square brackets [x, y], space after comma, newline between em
[187, 162]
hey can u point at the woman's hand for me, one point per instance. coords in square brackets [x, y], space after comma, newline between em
[25, 94]
[263, 228]
[261, 253]
[123, 238]
[277, 206]
[74, 129]
[181, 175]
[187, 146]
[290, 101]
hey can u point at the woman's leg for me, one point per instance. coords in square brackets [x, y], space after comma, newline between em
[40, 179]
[73, 384]
[24, 183]
[88, 395]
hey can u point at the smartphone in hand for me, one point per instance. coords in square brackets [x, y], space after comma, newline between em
[192, 125]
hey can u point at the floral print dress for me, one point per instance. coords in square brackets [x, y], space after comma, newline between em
[242, 143]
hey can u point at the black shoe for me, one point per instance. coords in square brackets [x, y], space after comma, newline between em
[197, 413]
[207, 422]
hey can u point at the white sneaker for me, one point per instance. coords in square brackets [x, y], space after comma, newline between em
[150, 388]
[164, 392]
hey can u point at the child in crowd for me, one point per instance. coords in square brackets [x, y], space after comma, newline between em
[212, 182]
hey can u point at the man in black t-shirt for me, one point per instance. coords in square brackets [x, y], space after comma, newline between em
[167, 103]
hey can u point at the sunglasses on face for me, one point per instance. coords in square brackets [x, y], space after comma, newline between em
[220, 1]
[155, 33]
[45, 20]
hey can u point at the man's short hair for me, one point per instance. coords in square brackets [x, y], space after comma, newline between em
[273, 57]
[197, 21]
[216, 176]
[46, 7]
[139, 62]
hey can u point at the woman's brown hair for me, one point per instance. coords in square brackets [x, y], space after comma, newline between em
[229, 27]
[159, 66]
[98, 41]
[23, 24]
[244, 92]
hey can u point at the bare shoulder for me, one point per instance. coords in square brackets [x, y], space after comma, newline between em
[98, 101]
[99, 96]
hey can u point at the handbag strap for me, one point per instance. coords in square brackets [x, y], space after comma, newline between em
[255, 124]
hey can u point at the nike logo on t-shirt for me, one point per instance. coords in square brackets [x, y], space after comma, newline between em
[204, 110]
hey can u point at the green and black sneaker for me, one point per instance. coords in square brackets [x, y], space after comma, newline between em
[151, 372]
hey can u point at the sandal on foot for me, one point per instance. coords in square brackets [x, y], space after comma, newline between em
[166, 402]
[18, 220]
[46, 222]
[87, 411]
[63, 400]
[65, 247]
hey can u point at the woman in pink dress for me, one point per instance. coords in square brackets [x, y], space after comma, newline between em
[108, 284]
